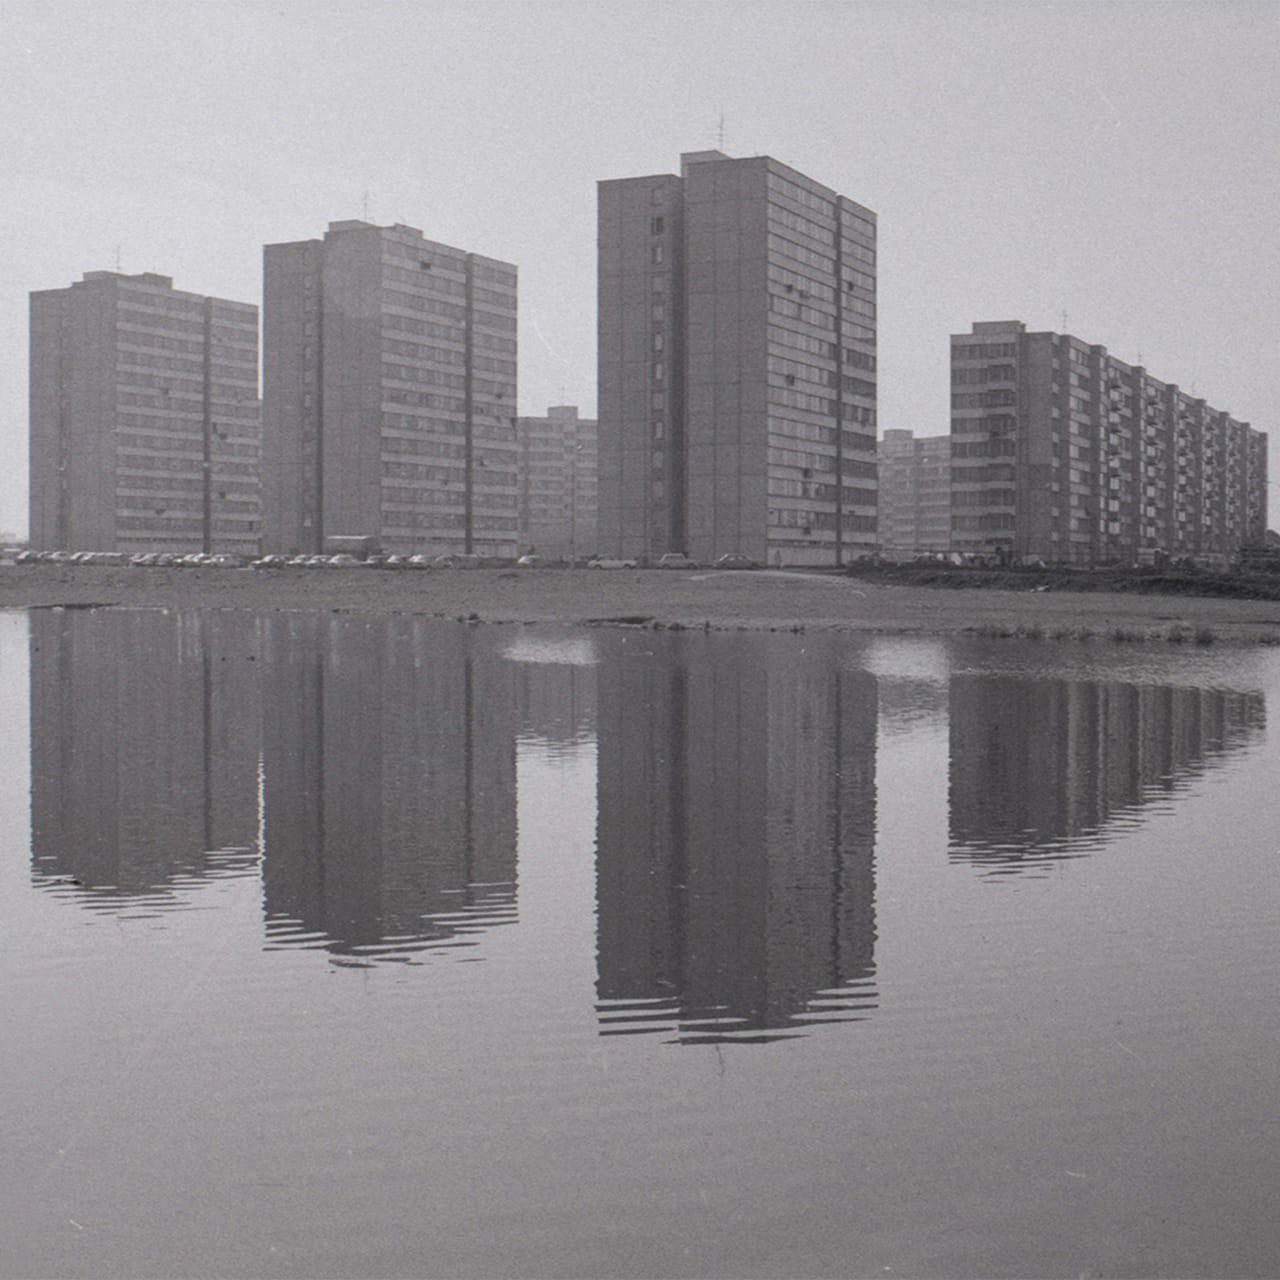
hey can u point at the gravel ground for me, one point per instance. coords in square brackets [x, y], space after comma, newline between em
[763, 599]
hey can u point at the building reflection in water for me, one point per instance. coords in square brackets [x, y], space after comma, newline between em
[736, 824]
[388, 784]
[1043, 769]
[143, 752]
[555, 690]
[365, 768]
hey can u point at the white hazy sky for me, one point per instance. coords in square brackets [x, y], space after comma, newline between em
[1113, 161]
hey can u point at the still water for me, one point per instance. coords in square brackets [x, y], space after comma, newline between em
[344, 946]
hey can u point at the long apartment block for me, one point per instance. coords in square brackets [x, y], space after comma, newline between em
[144, 422]
[1064, 453]
[737, 364]
[389, 393]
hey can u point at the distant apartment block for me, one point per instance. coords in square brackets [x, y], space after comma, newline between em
[737, 364]
[144, 426]
[558, 484]
[1060, 451]
[389, 393]
[915, 493]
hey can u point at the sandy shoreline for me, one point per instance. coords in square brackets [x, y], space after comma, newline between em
[758, 600]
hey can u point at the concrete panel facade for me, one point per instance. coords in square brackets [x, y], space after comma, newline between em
[558, 479]
[915, 493]
[389, 393]
[144, 418]
[1063, 453]
[736, 365]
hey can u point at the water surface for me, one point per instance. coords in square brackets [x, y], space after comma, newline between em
[342, 946]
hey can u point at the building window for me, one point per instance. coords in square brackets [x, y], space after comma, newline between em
[657, 341]
[656, 226]
[658, 254]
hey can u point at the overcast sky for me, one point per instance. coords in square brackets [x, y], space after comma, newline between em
[1115, 163]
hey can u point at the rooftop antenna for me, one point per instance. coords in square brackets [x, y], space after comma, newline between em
[720, 133]
[1064, 322]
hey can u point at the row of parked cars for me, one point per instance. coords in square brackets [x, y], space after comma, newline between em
[342, 560]
[676, 560]
[166, 559]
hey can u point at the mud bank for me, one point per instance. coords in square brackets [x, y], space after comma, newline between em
[752, 600]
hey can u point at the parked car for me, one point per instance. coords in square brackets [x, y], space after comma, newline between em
[605, 562]
[676, 560]
[530, 562]
[735, 560]
[459, 560]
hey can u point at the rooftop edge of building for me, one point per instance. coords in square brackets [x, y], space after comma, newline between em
[402, 232]
[142, 277]
[990, 328]
[690, 159]
[996, 326]
[148, 279]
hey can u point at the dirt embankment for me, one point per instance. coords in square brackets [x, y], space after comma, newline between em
[761, 599]
[1173, 582]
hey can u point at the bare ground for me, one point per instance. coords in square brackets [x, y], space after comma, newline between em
[759, 600]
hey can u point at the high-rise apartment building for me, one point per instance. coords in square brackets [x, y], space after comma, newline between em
[389, 393]
[915, 493]
[144, 428]
[558, 484]
[1064, 453]
[737, 357]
